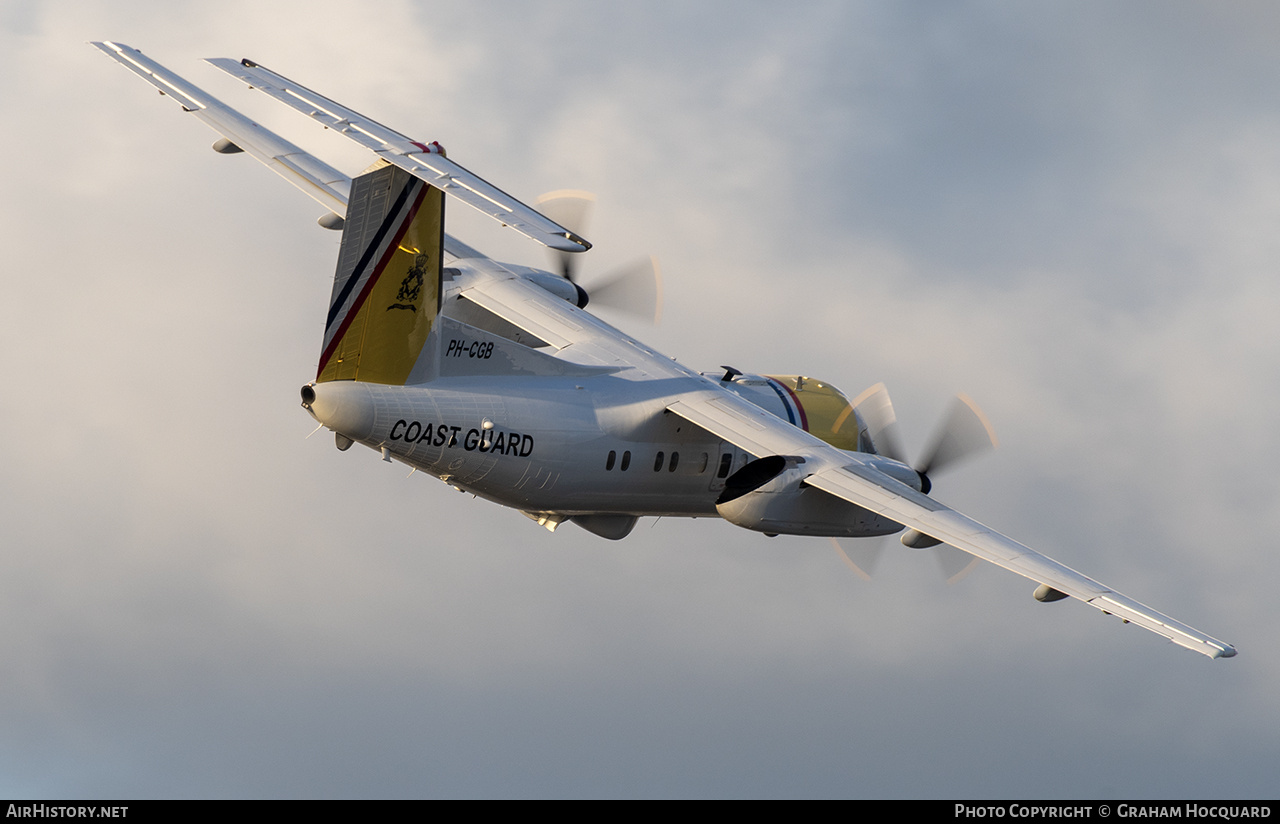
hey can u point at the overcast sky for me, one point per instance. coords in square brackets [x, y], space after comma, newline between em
[1067, 211]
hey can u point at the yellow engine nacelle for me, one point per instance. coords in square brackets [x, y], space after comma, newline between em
[815, 406]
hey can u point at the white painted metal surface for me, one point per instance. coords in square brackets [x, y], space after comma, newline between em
[523, 398]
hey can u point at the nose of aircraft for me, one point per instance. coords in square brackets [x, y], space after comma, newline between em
[343, 406]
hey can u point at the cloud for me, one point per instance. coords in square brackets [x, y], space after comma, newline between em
[1065, 213]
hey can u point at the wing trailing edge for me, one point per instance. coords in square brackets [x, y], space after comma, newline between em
[318, 179]
[426, 162]
[839, 474]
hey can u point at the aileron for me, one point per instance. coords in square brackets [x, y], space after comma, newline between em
[425, 161]
[863, 485]
[318, 179]
[967, 534]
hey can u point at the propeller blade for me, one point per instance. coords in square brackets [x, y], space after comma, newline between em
[955, 563]
[635, 288]
[876, 411]
[863, 556]
[868, 553]
[570, 208]
[964, 433]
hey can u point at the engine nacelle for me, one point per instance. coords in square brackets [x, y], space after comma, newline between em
[560, 287]
[815, 406]
[769, 495]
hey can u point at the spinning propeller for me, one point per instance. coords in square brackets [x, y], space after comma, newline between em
[635, 288]
[962, 434]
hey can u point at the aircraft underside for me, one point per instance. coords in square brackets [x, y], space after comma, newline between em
[497, 445]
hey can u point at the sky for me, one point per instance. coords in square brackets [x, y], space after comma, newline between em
[1065, 210]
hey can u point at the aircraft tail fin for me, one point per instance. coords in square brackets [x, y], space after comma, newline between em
[387, 290]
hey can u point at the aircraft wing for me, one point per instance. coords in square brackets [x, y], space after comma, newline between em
[310, 174]
[841, 474]
[426, 162]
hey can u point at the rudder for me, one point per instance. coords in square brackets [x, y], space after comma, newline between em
[386, 290]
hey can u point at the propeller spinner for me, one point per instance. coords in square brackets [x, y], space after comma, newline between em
[635, 288]
[962, 434]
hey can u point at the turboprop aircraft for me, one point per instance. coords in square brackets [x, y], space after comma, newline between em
[495, 379]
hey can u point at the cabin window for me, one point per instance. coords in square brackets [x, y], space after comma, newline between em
[626, 460]
[726, 463]
[608, 464]
[705, 462]
[675, 459]
[657, 461]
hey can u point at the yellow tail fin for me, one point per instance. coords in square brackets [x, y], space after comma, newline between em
[386, 292]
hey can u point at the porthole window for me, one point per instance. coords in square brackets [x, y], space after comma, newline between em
[626, 460]
[608, 464]
[675, 460]
[657, 461]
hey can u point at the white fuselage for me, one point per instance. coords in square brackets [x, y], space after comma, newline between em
[595, 440]
[542, 444]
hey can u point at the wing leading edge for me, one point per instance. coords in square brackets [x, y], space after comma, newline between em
[318, 179]
[310, 174]
[426, 162]
[840, 474]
